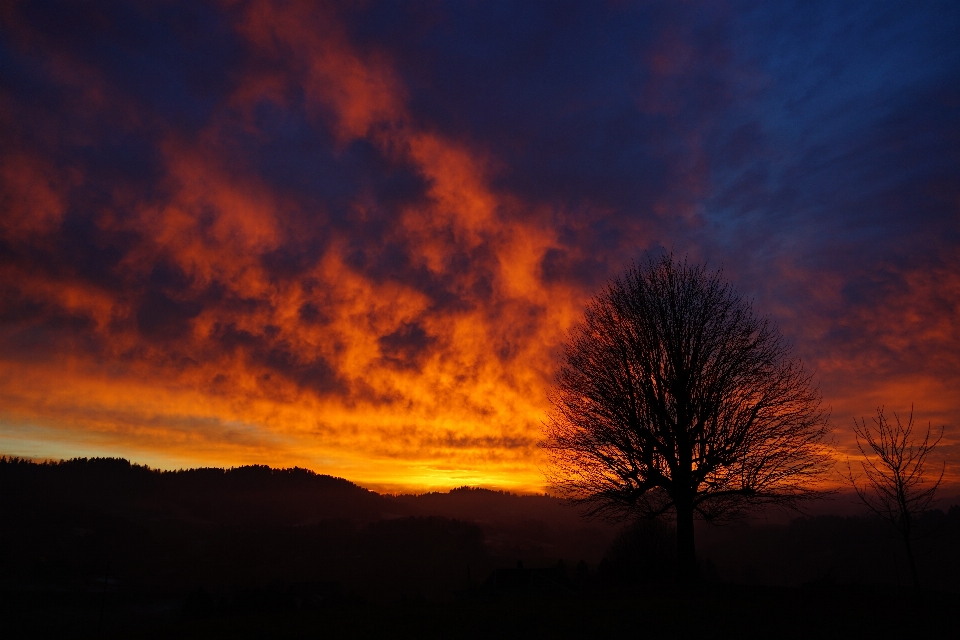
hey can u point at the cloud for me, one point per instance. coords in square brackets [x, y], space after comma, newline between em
[353, 238]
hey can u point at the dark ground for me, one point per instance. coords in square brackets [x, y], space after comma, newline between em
[730, 611]
[102, 548]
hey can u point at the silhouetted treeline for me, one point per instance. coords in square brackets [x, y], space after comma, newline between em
[244, 494]
[223, 529]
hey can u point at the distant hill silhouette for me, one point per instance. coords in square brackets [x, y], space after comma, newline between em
[244, 494]
[82, 533]
[177, 530]
[539, 528]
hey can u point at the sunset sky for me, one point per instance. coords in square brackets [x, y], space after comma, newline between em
[353, 237]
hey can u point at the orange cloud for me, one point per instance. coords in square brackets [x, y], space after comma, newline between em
[462, 404]
[195, 343]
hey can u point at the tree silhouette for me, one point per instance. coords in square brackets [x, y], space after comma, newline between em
[674, 396]
[897, 488]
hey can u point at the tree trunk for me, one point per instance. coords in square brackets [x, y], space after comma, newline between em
[913, 566]
[906, 526]
[686, 546]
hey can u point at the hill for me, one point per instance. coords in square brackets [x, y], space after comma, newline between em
[150, 547]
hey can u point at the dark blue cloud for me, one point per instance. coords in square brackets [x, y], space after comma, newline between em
[174, 59]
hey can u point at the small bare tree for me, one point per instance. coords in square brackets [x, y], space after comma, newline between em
[897, 486]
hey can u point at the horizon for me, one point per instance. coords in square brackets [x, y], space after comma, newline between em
[380, 491]
[354, 239]
[841, 497]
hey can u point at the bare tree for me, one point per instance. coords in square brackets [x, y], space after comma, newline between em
[673, 396]
[898, 488]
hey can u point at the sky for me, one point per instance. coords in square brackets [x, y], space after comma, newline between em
[353, 237]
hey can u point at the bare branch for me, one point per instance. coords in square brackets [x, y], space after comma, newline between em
[674, 395]
[898, 487]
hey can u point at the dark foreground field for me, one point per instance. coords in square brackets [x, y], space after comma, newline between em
[103, 548]
[724, 611]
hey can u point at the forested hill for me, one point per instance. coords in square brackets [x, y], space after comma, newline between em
[253, 525]
[243, 494]
[227, 526]
[259, 493]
